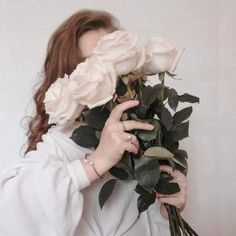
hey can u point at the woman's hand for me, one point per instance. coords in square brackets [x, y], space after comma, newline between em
[115, 140]
[178, 199]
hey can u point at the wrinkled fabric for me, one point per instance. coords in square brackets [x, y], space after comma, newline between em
[48, 193]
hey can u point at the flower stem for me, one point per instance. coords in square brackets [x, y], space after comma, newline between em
[130, 92]
[161, 77]
[176, 219]
[177, 223]
[171, 222]
[179, 219]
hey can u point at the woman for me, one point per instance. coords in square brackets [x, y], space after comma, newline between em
[54, 190]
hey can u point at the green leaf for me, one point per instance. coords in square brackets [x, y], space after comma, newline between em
[134, 117]
[124, 116]
[166, 118]
[183, 167]
[121, 88]
[147, 172]
[188, 98]
[173, 99]
[172, 164]
[150, 94]
[165, 178]
[140, 190]
[85, 136]
[158, 152]
[167, 188]
[172, 146]
[118, 173]
[127, 165]
[96, 117]
[144, 201]
[164, 185]
[142, 112]
[181, 153]
[158, 139]
[148, 135]
[161, 153]
[109, 105]
[181, 156]
[180, 131]
[181, 163]
[145, 145]
[166, 92]
[126, 161]
[98, 134]
[167, 141]
[106, 191]
[182, 115]
[124, 169]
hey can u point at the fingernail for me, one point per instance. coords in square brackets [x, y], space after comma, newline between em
[152, 126]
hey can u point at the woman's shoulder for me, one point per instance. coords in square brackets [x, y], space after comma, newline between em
[57, 142]
[65, 130]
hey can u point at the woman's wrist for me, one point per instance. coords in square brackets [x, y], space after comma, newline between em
[95, 166]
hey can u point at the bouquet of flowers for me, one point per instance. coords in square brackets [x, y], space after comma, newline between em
[118, 71]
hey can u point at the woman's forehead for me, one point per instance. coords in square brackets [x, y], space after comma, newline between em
[89, 40]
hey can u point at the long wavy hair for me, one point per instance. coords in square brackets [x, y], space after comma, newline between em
[62, 57]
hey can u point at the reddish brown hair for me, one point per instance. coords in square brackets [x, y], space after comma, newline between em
[62, 58]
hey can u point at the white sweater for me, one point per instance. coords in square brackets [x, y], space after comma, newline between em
[48, 193]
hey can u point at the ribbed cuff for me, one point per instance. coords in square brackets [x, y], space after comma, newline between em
[78, 174]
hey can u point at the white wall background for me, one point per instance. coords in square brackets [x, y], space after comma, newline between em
[206, 29]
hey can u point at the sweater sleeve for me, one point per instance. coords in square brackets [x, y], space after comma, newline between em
[41, 196]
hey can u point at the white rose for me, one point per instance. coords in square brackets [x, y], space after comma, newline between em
[121, 49]
[161, 56]
[93, 82]
[60, 106]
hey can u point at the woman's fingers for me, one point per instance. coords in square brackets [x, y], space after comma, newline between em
[131, 139]
[173, 173]
[115, 124]
[128, 125]
[177, 199]
[130, 147]
[178, 177]
[130, 142]
[161, 195]
[132, 124]
[178, 202]
[178, 194]
[127, 142]
[117, 112]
